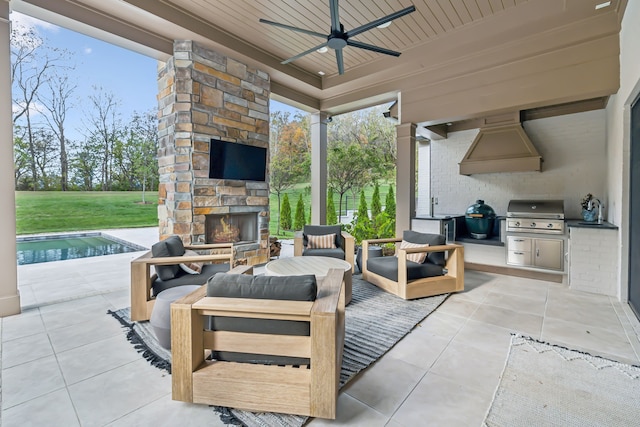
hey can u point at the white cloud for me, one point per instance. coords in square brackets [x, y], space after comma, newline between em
[25, 21]
[34, 109]
[88, 50]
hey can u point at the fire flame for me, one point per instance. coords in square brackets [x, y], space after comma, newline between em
[225, 233]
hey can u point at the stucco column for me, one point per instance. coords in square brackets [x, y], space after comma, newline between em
[405, 176]
[9, 297]
[319, 168]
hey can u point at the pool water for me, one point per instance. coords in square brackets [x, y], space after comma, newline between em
[33, 250]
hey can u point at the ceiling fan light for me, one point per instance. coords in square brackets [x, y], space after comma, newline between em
[385, 25]
[323, 49]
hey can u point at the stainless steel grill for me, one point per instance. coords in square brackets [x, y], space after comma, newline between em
[536, 216]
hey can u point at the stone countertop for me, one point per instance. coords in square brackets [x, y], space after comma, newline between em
[580, 223]
[436, 217]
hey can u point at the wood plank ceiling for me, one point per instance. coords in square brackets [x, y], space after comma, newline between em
[431, 20]
[461, 59]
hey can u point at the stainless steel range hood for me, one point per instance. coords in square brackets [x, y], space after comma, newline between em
[504, 148]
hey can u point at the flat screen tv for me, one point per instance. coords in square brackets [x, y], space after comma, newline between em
[232, 160]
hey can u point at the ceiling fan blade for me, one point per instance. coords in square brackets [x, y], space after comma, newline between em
[380, 21]
[340, 61]
[306, 52]
[335, 16]
[372, 48]
[289, 27]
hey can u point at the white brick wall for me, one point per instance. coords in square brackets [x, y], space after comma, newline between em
[574, 152]
[423, 200]
[593, 260]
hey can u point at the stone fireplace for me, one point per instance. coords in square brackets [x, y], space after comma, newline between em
[205, 95]
[238, 228]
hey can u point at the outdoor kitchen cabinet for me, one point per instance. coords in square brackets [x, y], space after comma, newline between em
[535, 252]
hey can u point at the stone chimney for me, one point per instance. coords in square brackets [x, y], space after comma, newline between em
[205, 95]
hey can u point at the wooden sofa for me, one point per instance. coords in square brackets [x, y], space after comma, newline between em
[143, 279]
[310, 390]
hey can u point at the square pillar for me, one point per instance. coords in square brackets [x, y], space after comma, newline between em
[405, 176]
[319, 168]
[9, 296]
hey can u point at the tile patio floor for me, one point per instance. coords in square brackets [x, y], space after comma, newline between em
[65, 362]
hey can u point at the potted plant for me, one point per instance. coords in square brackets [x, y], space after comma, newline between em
[589, 207]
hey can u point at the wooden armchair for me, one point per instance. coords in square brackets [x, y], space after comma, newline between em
[145, 285]
[343, 244]
[306, 389]
[408, 279]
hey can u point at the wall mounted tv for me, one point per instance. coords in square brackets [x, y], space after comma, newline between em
[232, 160]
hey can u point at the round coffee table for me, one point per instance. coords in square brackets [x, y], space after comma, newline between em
[316, 265]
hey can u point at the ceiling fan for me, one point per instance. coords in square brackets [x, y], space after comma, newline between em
[339, 38]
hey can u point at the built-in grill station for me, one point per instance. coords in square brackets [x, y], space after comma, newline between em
[536, 234]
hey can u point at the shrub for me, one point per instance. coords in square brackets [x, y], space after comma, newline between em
[332, 218]
[390, 203]
[285, 213]
[376, 207]
[300, 219]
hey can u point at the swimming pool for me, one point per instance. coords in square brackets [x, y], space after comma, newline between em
[37, 249]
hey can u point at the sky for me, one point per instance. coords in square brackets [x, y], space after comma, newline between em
[130, 76]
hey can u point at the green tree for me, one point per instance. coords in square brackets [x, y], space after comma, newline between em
[285, 213]
[331, 208]
[347, 169]
[361, 224]
[376, 207]
[390, 203]
[299, 219]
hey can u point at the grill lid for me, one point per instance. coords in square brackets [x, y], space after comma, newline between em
[536, 209]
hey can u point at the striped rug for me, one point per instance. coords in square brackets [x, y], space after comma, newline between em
[374, 321]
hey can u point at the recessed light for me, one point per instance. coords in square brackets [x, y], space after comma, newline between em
[385, 25]
[323, 49]
[321, 73]
[603, 5]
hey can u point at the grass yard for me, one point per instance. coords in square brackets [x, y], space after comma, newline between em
[49, 211]
[52, 211]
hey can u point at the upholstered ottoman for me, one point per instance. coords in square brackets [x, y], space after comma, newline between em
[161, 315]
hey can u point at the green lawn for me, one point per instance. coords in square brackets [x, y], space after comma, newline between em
[48, 211]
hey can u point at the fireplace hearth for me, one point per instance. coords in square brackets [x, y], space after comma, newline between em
[237, 228]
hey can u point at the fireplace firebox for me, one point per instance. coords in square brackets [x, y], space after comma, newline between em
[238, 228]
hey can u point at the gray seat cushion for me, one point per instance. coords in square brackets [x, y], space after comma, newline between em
[388, 267]
[171, 246]
[322, 230]
[432, 240]
[292, 288]
[183, 278]
[332, 253]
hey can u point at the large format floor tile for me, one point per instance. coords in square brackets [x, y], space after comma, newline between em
[52, 409]
[438, 401]
[109, 396]
[66, 362]
[398, 377]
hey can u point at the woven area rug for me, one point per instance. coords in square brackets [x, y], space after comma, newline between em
[548, 385]
[374, 321]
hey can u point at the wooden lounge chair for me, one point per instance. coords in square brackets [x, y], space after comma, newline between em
[343, 246]
[435, 275]
[306, 386]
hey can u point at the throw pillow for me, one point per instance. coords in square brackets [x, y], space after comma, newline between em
[418, 257]
[192, 267]
[326, 241]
